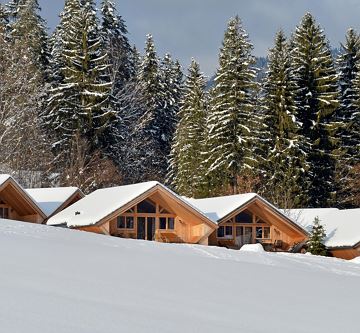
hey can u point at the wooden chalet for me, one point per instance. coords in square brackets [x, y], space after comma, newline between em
[249, 219]
[147, 211]
[342, 228]
[17, 204]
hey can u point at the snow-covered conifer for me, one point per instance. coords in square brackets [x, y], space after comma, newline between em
[230, 144]
[316, 102]
[185, 172]
[284, 160]
[316, 241]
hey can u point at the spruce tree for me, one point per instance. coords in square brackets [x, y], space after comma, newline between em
[348, 115]
[185, 165]
[316, 102]
[284, 160]
[151, 134]
[116, 45]
[316, 241]
[230, 144]
[78, 102]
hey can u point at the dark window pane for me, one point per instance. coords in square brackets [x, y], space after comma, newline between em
[129, 222]
[162, 222]
[146, 207]
[171, 223]
[266, 232]
[6, 213]
[228, 230]
[239, 231]
[121, 222]
[243, 217]
[1, 213]
[220, 232]
[259, 232]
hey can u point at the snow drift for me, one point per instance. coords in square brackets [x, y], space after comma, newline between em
[60, 281]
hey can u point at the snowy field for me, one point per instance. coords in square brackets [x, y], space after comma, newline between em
[56, 281]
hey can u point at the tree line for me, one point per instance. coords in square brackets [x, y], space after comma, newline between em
[83, 107]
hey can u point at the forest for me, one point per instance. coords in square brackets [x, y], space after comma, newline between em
[82, 106]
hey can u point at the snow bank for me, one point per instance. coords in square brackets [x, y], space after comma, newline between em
[356, 260]
[252, 248]
[57, 280]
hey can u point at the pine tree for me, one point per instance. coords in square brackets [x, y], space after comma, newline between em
[78, 104]
[230, 144]
[348, 115]
[316, 240]
[316, 103]
[185, 163]
[284, 160]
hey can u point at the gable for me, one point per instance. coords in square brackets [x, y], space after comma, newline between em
[12, 194]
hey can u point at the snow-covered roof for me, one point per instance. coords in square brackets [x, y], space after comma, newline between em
[50, 199]
[219, 207]
[101, 203]
[342, 227]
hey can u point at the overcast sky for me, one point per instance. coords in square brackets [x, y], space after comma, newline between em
[195, 28]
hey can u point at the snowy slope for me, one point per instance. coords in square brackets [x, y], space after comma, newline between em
[57, 280]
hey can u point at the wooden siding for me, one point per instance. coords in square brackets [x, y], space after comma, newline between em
[21, 207]
[347, 254]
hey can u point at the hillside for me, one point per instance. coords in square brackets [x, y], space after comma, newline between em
[56, 281]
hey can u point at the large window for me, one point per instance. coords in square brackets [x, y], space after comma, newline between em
[225, 232]
[262, 232]
[125, 222]
[244, 217]
[146, 206]
[167, 223]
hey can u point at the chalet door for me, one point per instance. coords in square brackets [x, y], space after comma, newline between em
[141, 230]
[150, 232]
[248, 235]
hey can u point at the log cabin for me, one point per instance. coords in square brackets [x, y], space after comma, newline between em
[249, 219]
[342, 228]
[146, 211]
[17, 204]
[54, 200]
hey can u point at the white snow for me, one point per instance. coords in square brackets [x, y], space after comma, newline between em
[219, 207]
[56, 280]
[252, 248]
[342, 227]
[100, 203]
[50, 199]
[4, 178]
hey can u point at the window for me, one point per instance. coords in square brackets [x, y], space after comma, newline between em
[167, 223]
[163, 223]
[4, 213]
[262, 232]
[171, 223]
[243, 217]
[121, 222]
[125, 222]
[225, 231]
[129, 222]
[146, 206]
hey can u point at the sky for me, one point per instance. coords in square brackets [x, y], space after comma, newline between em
[195, 28]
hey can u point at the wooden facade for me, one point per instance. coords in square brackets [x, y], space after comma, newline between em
[157, 215]
[15, 204]
[256, 222]
[347, 253]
